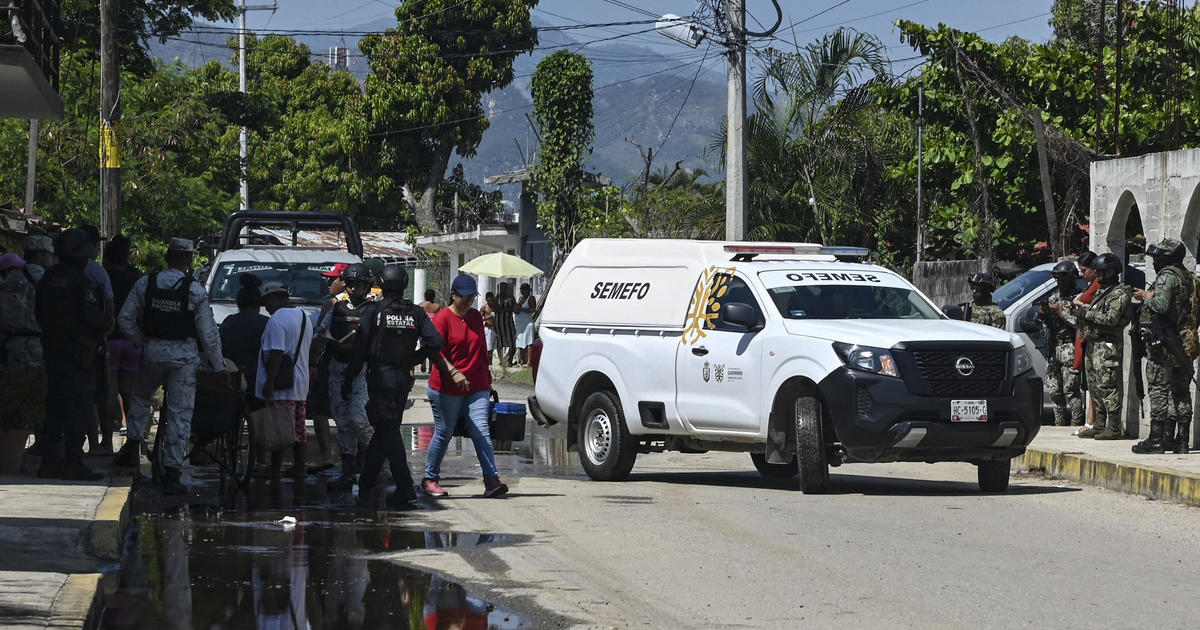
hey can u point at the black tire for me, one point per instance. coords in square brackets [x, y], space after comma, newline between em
[606, 449]
[811, 464]
[993, 475]
[773, 471]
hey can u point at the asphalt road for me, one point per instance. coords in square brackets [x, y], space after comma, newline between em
[704, 541]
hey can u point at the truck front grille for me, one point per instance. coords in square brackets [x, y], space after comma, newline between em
[941, 376]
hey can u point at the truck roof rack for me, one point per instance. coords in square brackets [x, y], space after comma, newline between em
[293, 221]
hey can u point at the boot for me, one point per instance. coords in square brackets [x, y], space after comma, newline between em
[346, 480]
[1183, 439]
[1153, 442]
[171, 484]
[1168, 438]
[130, 454]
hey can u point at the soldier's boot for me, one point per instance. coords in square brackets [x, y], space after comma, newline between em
[1168, 438]
[1183, 439]
[346, 480]
[129, 455]
[1153, 442]
[171, 484]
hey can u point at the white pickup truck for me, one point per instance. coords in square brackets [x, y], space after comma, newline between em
[270, 245]
[781, 350]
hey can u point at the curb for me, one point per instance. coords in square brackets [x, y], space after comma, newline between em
[107, 536]
[76, 603]
[1148, 481]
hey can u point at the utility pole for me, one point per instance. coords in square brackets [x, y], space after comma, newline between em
[110, 120]
[735, 153]
[920, 171]
[243, 138]
[31, 170]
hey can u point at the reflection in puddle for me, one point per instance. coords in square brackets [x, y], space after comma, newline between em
[226, 571]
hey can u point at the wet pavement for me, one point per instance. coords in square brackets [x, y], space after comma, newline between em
[312, 554]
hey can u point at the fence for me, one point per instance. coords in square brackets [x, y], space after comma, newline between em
[945, 281]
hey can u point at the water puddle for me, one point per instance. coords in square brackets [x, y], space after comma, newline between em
[326, 570]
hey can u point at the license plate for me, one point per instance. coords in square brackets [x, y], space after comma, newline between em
[968, 411]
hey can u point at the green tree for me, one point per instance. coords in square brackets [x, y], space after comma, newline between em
[139, 22]
[562, 106]
[423, 94]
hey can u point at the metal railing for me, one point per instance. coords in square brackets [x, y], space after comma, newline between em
[32, 23]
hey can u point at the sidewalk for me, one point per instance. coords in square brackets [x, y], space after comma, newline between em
[56, 538]
[1111, 465]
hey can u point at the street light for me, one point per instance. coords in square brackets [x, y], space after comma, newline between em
[683, 31]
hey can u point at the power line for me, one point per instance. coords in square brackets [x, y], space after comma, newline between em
[685, 98]
[630, 7]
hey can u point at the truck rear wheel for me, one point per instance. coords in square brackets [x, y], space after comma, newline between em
[993, 475]
[811, 464]
[607, 450]
[773, 471]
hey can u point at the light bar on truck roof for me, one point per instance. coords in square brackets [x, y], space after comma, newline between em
[842, 251]
[747, 251]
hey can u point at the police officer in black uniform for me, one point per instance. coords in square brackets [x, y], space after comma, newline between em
[387, 338]
[73, 322]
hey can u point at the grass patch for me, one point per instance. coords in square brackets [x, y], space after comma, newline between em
[520, 376]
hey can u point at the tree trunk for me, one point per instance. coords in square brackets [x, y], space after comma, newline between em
[986, 249]
[1039, 128]
[423, 209]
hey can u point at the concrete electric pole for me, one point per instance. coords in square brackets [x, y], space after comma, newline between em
[110, 120]
[243, 138]
[735, 152]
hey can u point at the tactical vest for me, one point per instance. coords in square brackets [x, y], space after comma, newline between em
[396, 333]
[167, 313]
[68, 308]
[18, 292]
[345, 320]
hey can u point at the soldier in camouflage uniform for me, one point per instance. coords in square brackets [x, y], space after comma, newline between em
[1061, 373]
[981, 309]
[1102, 324]
[1167, 382]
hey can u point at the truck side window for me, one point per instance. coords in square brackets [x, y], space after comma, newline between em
[738, 291]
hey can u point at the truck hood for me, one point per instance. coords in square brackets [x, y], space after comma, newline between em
[885, 333]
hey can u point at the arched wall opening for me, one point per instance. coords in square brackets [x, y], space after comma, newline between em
[1189, 233]
[1125, 219]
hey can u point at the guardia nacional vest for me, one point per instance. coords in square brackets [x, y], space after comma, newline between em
[167, 313]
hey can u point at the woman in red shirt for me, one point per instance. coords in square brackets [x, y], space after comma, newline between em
[465, 349]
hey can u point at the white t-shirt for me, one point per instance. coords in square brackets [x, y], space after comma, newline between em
[281, 333]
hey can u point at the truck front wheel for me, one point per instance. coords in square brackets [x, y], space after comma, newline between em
[993, 475]
[811, 464]
[607, 450]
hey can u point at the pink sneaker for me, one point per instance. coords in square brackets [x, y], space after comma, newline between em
[492, 488]
[432, 488]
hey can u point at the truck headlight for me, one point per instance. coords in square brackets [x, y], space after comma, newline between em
[867, 359]
[1022, 361]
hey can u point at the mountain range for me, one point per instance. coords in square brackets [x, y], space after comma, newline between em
[639, 94]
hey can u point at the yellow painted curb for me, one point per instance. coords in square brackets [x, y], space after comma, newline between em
[75, 602]
[1147, 481]
[108, 527]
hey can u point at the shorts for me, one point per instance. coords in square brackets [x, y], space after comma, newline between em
[299, 412]
[124, 356]
[489, 334]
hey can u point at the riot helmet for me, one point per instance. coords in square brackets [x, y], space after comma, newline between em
[357, 273]
[1107, 262]
[393, 279]
[1065, 274]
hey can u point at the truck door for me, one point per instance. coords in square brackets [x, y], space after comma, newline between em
[718, 373]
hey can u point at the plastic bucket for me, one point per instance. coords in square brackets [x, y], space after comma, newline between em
[508, 422]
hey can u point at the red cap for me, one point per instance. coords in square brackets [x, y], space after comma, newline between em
[337, 270]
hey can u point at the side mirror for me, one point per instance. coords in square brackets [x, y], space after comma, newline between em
[954, 311]
[740, 314]
[1030, 326]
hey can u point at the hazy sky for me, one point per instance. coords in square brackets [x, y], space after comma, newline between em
[997, 20]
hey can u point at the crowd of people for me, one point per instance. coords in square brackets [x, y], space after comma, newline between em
[108, 337]
[1086, 350]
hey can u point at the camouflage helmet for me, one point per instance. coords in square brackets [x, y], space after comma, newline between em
[1064, 269]
[982, 280]
[1168, 248]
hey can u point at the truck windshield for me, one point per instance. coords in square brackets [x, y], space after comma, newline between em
[1019, 287]
[836, 301]
[303, 280]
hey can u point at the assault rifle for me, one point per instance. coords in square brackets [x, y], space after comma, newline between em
[1137, 349]
[1165, 333]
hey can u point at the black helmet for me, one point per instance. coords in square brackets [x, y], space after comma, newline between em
[393, 278]
[357, 272]
[982, 279]
[1065, 269]
[73, 243]
[1168, 248]
[1107, 261]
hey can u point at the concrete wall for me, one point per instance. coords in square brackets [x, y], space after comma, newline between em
[945, 281]
[1166, 189]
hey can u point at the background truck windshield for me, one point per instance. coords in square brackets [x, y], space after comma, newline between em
[304, 280]
[836, 301]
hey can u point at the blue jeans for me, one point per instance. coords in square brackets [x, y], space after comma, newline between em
[446, 411]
